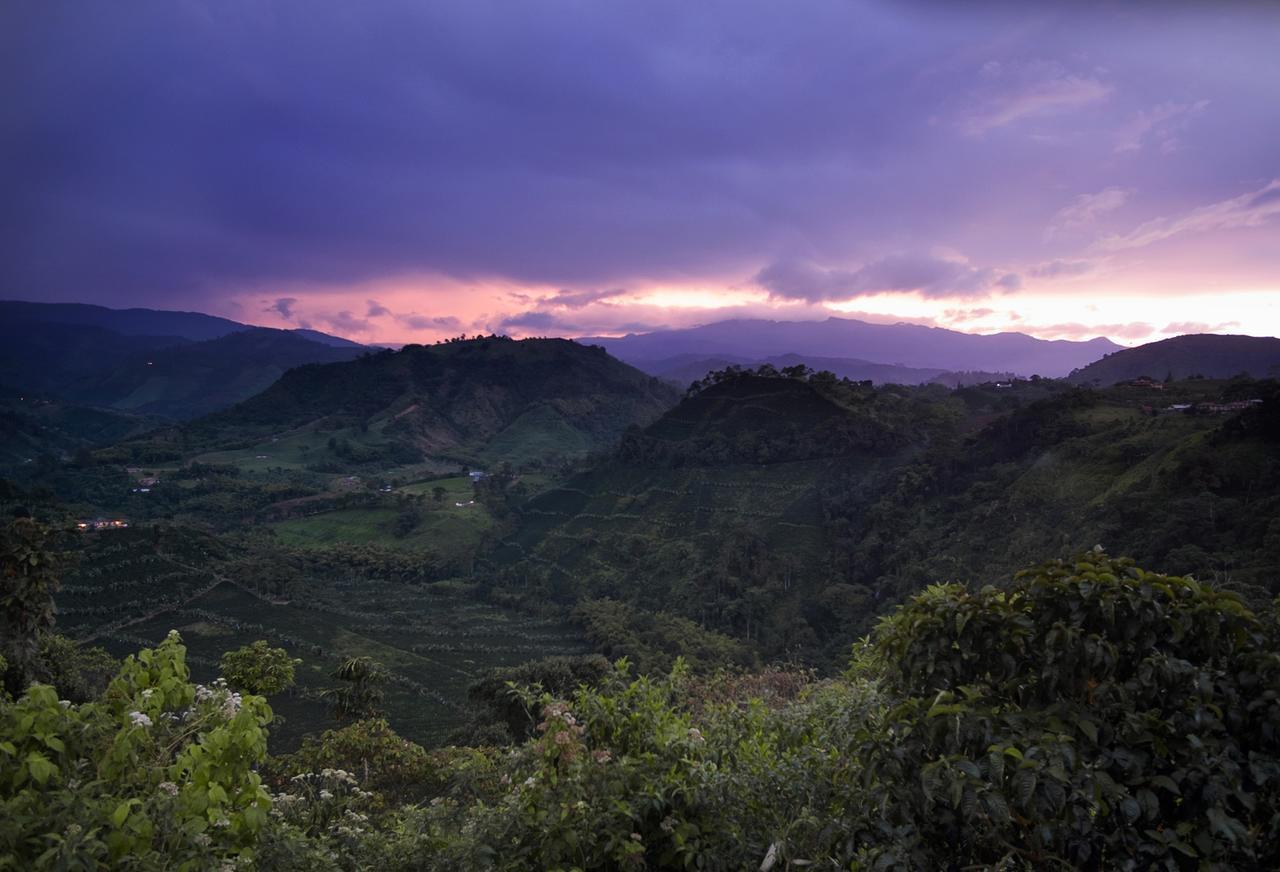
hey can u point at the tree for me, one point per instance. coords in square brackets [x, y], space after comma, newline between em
[258, 669]
[361, 697]
[407, 520]
[28, 580]
[438, 493]
[1090, 715]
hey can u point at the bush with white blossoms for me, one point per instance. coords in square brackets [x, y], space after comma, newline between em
[156, 774]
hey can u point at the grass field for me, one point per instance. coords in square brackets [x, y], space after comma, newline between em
[449, 529]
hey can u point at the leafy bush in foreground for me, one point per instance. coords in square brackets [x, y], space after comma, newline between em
[156, 774]
[1091, 715]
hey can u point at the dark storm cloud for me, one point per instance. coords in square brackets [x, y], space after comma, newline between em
[423, 322]
[158, 151]
[929, 276]
[579, 299]
[283, 306]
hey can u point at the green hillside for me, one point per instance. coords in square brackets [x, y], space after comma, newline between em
[1206, 355]
[477, 402]
[169, 364]
[194, 379]
[34, 427]
[788, 512]
[717, 510]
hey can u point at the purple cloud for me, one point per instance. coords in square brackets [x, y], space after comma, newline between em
[1251, 209]
[283, 306]
[1058, 269]
[1086, 209]
[423, 322]
[628, 145]
[1013, 92]
[579, 299]
[928, 276]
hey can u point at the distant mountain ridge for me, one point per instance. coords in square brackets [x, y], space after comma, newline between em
[192, 326]
[684, 369]
[1204, 354]
[903, 345]
[170, 364]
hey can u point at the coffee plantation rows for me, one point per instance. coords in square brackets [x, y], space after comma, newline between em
[433, 645]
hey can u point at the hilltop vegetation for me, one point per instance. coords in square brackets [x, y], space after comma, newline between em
[1203, 355]
[477, 401]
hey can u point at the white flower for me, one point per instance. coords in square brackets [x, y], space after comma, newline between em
[139, 719]
[148, 693]
[695, 735]
[530, 781]
[324, 794]
[169, 787]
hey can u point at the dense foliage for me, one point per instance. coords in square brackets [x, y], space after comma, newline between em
[787, 510]
[1089, 715]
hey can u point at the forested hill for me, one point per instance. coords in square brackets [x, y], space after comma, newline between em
[785, 513]
[488, 399]
[187, 381]
[170, 364]
[1200, 354]
[718, 513]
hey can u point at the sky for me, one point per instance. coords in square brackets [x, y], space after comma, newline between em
[406, 171]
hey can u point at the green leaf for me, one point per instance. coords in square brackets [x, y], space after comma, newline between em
[121, 813]
[39, 767]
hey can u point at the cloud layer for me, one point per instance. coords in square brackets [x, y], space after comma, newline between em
[405, 169]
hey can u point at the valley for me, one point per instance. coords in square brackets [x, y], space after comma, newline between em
[485, 511]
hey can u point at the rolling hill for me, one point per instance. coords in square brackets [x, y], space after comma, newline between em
[787, 513]
[719, 506]
[194, 379]
[905, 345]
[479, 401]
[1200, 354]
[33, 426]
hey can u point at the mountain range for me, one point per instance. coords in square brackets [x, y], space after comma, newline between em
[170, 364]
[903, 345]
